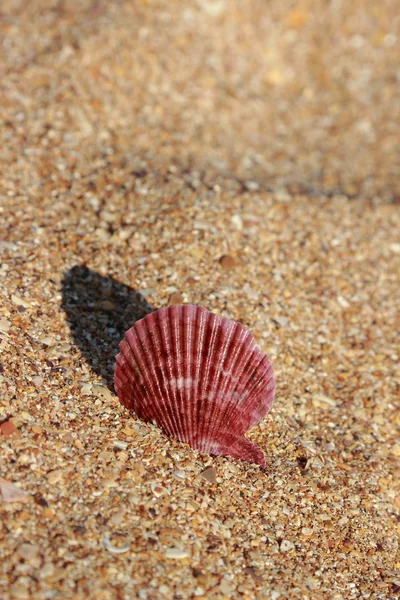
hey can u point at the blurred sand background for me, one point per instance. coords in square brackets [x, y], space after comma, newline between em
[243, 156]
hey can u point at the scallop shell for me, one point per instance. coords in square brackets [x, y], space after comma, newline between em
[198, 376]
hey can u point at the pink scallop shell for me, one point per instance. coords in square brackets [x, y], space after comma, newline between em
[198, 376]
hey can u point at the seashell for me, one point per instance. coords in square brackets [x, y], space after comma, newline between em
[198, 376]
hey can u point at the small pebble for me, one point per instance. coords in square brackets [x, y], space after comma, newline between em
[54, 477]
[107, 305]
[28, 551]
[197, 252]
[237, 222]
[322, 401]
[227, 262]
[165, 590]
[175, 298]
[8, 428]
[209, 474]
[4, 325]
[12, 493]
[114, 549]
[120, 444]
[109, 483]
[101, 391]
[19, 592]
[286, 546]
[46, 571]
[117, 518]
[86, 390]
[198, 591]
[64, 348]
[343, 302]
[226, 587]
[20, 301]
[37, 429]
[25, 416]
[396, 450]
[158, 490]
[176, 553]
[252, 186]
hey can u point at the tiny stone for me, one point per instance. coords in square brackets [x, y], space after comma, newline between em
[106, 456]
[117, 518]
[319, 400]
[12, 493]
[198, 591]
[307, 531]
[343, 302]
[197, 252]
[175, 298]
[281, 321]
[86, 390]
[102, 234]
[54, 476]
[226, 587]
[191, 281]
[213, 8]
[46, 571]
[396, 450]
[139, 467]
[128, 431]
[309, 446]
[4, 325]
[395, 248]
[158, 490]
[101, 391]
[107, 305]
[25, 416]
[19, 301]
[19, 592]
[164, 590]
[237, 222]
[209, 474]
[8, 428]
[114, 549]
[227, 262]
[37, 429]
[64, 348]
[286, 546]
[28, 551]
[120, 444]
[109, 483]
[176, 553]
[252, 186]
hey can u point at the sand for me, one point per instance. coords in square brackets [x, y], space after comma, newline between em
[242, 156]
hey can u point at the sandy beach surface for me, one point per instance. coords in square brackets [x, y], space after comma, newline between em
[245, 157]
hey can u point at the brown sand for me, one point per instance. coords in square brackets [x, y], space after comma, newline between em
[243, 156]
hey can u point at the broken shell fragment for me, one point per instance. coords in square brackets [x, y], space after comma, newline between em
[198, 376]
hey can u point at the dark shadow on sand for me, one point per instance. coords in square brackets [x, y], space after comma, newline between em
[99, 311]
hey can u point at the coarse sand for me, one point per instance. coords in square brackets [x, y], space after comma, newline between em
[239, 155]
